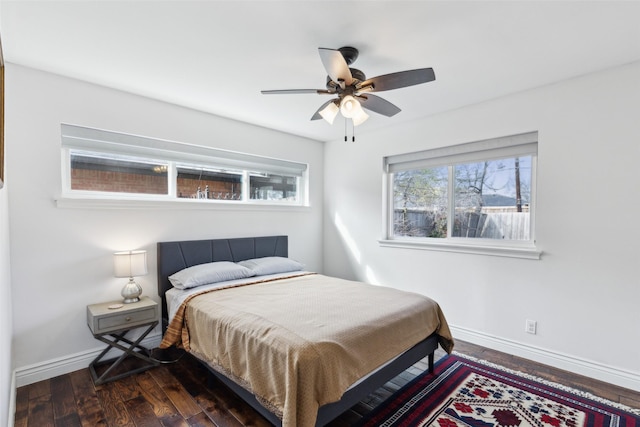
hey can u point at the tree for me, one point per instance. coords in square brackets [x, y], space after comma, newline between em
[517, 177]
[472, 180]
[420, 200]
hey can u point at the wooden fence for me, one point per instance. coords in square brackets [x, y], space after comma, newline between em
[486, 225]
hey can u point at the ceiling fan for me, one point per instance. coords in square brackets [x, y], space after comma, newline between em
[353, 89]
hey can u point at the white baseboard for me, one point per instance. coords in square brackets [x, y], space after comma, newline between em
[12, 401]
[63, 365]
[623, 378]
[588, 368]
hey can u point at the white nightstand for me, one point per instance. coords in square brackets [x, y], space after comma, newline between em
[110, 325]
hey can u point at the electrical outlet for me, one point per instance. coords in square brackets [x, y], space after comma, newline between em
[530, 326]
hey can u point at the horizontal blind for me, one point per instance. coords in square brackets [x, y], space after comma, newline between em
[89, 139]
[488, 149]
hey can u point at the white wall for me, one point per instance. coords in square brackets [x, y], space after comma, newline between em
[585, 290]
[5, 309]
[62, 257]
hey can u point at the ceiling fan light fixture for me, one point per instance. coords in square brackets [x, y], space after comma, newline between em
[350, 107]
[329, 112]
[360, 117]
[352, 87]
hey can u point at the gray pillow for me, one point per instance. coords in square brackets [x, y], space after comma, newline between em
[204, 274]
[271, 265]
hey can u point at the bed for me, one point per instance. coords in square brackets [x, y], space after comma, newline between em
[321, 370]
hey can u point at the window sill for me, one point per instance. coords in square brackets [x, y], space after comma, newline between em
[512, 251]
[188, 204]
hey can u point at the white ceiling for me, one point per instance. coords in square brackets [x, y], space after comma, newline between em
[216, 56]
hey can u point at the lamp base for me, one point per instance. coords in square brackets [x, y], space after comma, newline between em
[131, 292]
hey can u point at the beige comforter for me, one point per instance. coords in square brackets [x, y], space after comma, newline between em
[299, 343]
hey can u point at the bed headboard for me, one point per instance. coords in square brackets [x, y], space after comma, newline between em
[175, 256]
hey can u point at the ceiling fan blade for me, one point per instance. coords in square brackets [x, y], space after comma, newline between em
[295, 91]
[398, 80]
[378, 105]
[317, 115]
[336, 66]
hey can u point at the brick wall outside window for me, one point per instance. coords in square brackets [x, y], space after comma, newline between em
[120, 182]
[127, 182]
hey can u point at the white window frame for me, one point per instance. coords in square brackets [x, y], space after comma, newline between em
[495, 148]
[175, 154]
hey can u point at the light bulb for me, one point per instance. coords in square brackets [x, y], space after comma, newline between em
[349, 106]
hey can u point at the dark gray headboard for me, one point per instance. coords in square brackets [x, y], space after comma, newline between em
[175, 256]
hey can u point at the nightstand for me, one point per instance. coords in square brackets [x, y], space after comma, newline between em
[110, 325]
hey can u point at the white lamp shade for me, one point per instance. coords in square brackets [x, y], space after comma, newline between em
[349, 106]
[360, 117]
[330, 112]
[130, 263]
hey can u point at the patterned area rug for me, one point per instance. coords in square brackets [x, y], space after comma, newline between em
[464, 392]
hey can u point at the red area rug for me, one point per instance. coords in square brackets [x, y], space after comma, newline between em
[463, 392]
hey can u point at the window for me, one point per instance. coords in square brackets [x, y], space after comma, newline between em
[208, 183]
[476, 197]
[101, 172]
[109, 165]
[266, 186]
[1, 118]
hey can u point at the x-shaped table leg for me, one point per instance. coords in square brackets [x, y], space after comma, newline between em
[119, 336]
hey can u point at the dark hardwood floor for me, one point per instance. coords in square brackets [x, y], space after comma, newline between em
[177, 394]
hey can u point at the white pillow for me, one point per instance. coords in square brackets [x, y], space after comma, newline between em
[271, 265]
[204, 274]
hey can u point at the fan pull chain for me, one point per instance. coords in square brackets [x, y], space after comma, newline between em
[345, 130]
[353, 132]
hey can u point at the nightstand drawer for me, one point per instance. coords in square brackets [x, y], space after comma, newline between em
[112, 316]
[126, 320]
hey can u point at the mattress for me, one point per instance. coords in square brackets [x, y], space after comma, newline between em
[300, 342]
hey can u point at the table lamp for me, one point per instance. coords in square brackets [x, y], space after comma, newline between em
[130, 264]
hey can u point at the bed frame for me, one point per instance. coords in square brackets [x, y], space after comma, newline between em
[175, 256]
